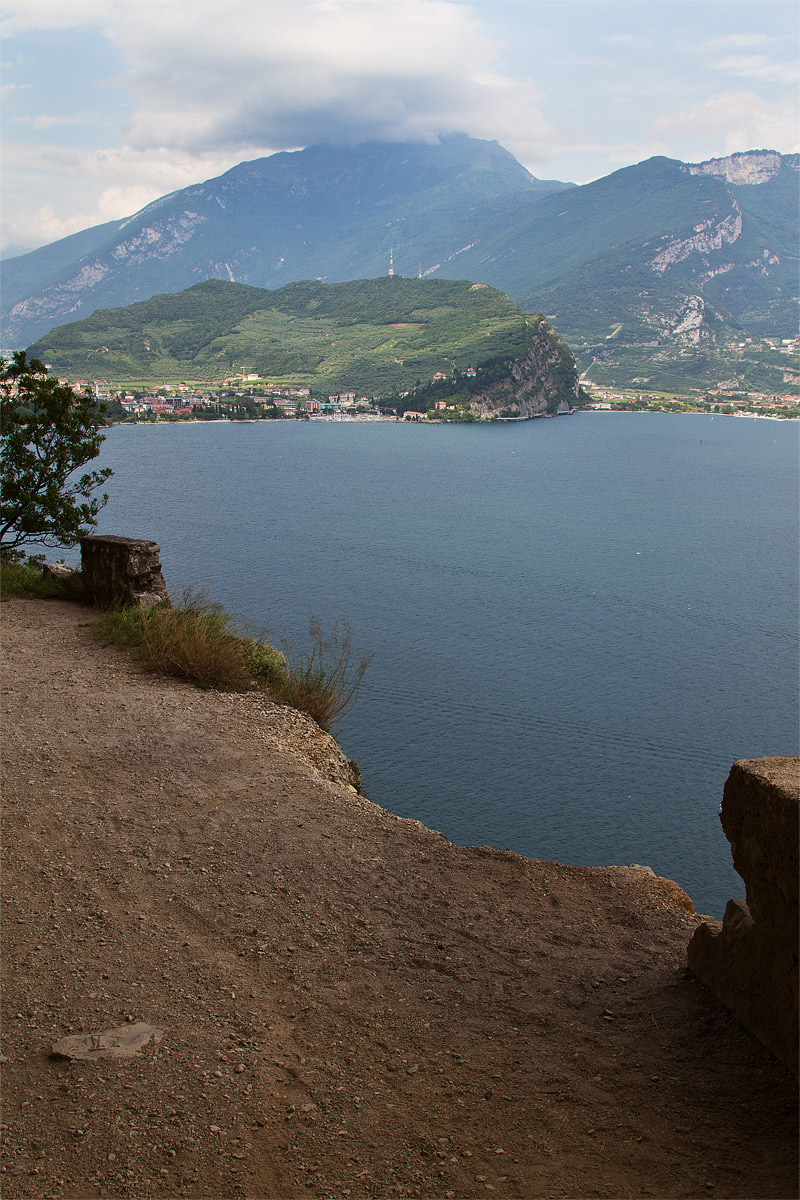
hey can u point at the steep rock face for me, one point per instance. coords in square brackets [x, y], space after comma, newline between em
[750, 167]
[543, 383]
[708, 235]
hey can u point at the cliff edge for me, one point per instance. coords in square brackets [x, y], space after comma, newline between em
[348, 1004]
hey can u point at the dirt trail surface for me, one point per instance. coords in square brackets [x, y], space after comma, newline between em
[350, 1006]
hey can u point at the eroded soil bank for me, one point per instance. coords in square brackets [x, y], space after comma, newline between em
[350, 1005]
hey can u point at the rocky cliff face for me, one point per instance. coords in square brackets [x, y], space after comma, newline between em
[543, 383]
[751, 166]
[707, 236]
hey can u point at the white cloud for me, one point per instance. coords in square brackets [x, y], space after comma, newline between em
[55, 120]
[37, 227]
[741, 41]
[139, 177]
[23, 16]
[256, 74]
[214, 84]
[736, 120]
[211, 83]
[758, 66]
[8, 89]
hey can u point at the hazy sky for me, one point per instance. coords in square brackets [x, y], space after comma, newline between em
[108, 104]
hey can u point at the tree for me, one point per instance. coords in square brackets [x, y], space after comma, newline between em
[47, 432]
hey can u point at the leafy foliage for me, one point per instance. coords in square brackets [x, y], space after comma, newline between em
[46, 434]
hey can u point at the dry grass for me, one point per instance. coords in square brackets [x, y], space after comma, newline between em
[199, 641]
[191, 639]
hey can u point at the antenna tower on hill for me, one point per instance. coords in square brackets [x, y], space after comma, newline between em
[391, 261]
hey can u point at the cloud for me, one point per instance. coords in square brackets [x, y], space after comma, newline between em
[736, 120]
[758, 66]
[8, 89]
[25, 16]
[37, 227]
[182, 91]
[214, 84]
[55, 120]
[287, 75]
[86, 195]
[741, 41]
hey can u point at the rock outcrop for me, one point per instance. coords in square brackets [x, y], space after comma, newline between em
[120, 570]
[750, 962]
[543, 383]
[750, 167]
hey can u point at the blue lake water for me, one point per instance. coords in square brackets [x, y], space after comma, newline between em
[577, 624]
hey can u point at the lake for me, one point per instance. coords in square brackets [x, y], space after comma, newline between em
[576, 624]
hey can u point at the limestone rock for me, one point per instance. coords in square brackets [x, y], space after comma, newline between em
[123, 1042]
[751, 962]
[59, 571]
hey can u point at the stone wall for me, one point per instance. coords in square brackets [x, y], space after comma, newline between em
[750, 962]
[119, 570]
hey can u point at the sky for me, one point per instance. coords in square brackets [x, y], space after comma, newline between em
[109, 104]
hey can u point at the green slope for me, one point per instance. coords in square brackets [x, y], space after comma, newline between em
[371, 335]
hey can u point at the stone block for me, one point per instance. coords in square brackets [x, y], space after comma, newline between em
[750, 962]
[121, 571]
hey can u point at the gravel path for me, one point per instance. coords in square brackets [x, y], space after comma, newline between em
[351, 1006]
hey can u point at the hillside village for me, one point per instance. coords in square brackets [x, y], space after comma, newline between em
[247, 396]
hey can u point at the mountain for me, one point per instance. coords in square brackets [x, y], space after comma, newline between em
[375, 336]
[657, 274]
[324, 212]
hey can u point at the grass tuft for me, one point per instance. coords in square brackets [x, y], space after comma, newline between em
[191, 639]
[324, 682]
[196, 640]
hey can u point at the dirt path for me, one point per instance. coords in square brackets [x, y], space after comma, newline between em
[351, 1006]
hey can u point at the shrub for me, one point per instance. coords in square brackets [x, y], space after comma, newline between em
[47, 433]
[265, 664]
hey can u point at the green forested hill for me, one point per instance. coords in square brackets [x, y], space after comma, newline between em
[370, 336]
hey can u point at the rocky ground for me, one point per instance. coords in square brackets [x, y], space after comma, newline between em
[350, 1005]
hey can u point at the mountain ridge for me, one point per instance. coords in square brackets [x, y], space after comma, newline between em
[654, 273]
[323, 207]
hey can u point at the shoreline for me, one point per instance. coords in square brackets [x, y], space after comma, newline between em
[500, 420]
